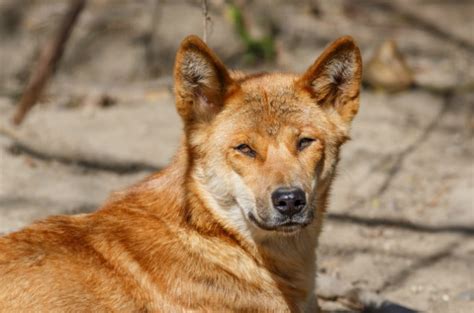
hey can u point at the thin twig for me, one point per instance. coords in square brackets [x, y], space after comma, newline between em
[48, 60]
[205, 12]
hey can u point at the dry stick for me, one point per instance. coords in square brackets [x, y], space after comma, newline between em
[205, 12]
[48, 60]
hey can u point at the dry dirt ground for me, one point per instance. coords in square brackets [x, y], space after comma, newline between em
[401, 221]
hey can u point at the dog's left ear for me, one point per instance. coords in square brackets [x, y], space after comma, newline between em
[334, 79]
[201, 81]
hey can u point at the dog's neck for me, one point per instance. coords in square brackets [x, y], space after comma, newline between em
[291, 259]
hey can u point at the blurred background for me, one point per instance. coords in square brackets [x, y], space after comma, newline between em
[401, 221]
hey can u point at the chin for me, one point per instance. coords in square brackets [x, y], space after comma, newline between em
[289, 230]
[282, 227]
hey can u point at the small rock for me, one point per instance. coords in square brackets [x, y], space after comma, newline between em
[467, 295]
[417, 289]
[387, 69]
[99, 100]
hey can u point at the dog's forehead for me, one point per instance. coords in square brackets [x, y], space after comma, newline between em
[267, 79]
[269, 100]
[269, 88]
[269, 94]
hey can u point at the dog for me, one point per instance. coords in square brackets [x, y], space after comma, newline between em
[232, 224]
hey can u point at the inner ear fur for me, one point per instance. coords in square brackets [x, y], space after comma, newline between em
[201, 80]
[335, 77]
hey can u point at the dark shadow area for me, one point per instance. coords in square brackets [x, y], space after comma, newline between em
[349, 251]
[400, 224]
[389, 307]
[401, 276]
[18, 203]
[102, 164]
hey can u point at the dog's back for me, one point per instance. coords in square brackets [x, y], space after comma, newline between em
[54, 268]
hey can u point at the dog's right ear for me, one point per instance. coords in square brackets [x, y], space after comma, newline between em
[201, 81]
[334, 79]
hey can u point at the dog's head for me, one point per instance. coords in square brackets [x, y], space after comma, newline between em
[264, 147]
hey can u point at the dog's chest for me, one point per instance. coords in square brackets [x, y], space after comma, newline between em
[227, 276]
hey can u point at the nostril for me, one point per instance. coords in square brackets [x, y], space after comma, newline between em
[281, 203]
[300, 203]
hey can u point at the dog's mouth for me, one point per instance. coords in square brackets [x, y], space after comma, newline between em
[285, 226]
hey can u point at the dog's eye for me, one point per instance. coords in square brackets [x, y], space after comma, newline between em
[245, 149]
[304, 143]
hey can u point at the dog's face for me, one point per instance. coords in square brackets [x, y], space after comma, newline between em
[270, 142]
[265, 146]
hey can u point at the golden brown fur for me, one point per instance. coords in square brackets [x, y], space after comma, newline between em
[202, 235]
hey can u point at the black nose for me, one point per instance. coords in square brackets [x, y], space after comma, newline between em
[289, 201]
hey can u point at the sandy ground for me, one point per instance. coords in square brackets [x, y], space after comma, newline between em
[401, 221]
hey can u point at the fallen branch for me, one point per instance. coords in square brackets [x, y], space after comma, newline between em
[48, 61]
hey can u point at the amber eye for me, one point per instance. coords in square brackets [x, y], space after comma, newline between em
[304, 143]
[245, 149]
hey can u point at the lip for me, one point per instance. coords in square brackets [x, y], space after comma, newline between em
[287, 227]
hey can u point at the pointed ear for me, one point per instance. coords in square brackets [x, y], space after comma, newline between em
[201, 81]
[334, 79]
